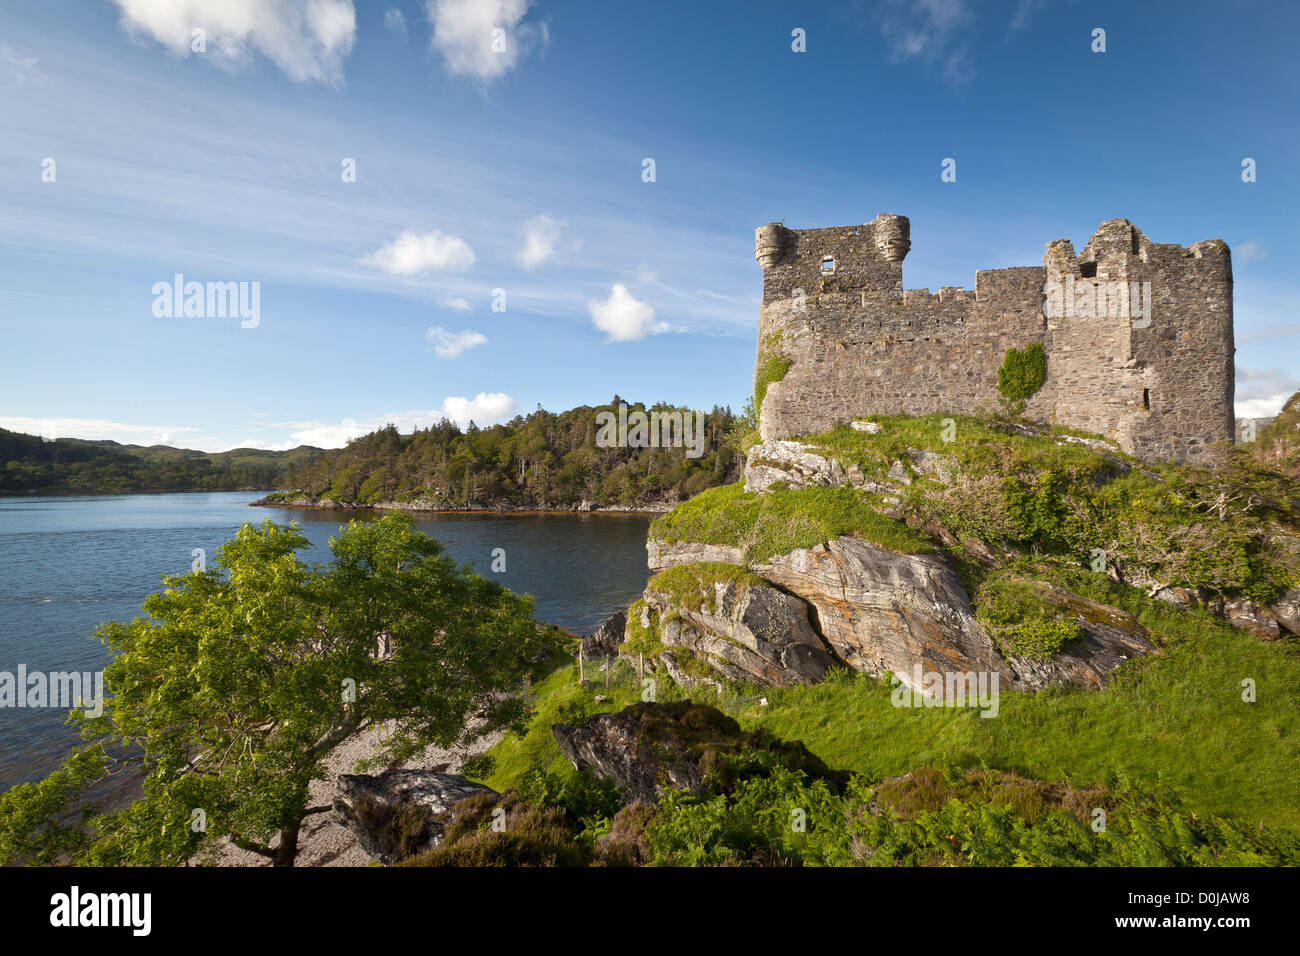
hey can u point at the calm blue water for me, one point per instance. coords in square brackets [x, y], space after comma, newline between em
[67, 564]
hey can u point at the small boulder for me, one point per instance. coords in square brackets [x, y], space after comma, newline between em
[401, 812]
[649, 748]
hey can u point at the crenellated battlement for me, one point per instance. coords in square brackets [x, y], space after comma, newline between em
[1138, 335]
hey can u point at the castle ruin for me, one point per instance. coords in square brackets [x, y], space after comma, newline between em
[1138, 335]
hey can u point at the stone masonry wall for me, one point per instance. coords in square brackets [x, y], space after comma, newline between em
[858, 344]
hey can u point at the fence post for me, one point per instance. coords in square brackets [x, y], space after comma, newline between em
[580, 678]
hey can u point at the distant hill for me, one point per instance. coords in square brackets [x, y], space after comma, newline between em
[29, 463]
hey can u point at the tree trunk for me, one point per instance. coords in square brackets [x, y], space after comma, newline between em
[287, 851]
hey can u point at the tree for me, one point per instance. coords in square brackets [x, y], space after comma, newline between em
[243, 678]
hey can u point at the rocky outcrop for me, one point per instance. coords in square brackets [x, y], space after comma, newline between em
[661, 555]
[1269, 622]
[1110, 637]
[795, 465]
[879, 610]
[401, 812]
[1287, 611]
[650, 748]
[745, 632]
[604, 641]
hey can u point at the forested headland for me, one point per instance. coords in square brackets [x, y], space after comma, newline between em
[543, 460]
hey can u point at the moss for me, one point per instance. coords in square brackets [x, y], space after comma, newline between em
[782, 520]
[770, 367]
[692, 585]
[1021, 621]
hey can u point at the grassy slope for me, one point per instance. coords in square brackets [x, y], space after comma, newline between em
[1176, 720]
[1172, 721]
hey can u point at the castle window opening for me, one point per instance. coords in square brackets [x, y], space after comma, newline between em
[1146, 398]
[828, 264]
[1088, 270]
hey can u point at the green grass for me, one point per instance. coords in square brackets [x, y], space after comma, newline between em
[977, 445]
[558, 698]
[782, 520]
[1176, 720]
[692, 585]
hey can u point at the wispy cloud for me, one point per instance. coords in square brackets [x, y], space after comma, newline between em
[932, 31]
[483, 39]
[451, 344]
[395, 20]
[17, 70]
[1250, 251]
[96, 429]
[485, 408]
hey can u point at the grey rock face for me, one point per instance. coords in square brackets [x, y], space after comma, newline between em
[880, 610]
[751, 632]
[1110, 637]
[793, 463]
[661, 554]
[604, 641]
[1287, 610]
[649, 748]
[397, 813]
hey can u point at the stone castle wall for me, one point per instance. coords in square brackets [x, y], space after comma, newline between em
[858, 344]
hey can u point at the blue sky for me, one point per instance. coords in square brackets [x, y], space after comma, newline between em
[522, 170]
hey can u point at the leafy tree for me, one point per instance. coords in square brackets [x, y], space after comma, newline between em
[242, 680]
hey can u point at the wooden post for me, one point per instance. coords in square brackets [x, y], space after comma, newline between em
[580, 678]
[609, 664]
[640, 667]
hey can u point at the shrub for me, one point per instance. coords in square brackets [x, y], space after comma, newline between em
[1021, 374]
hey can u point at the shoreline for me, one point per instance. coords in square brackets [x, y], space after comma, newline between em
[92, 493]
[495, 510]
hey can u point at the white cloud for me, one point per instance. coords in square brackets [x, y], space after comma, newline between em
[485, 408]
[622, 318]
[1261, 392]
[412, 253]
[1266, 407]
[96, 429]
[541, 239]
[456, 304]
[463, 34]
[395, 21]
[307, 39]
[451, 344]
[263, 445]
